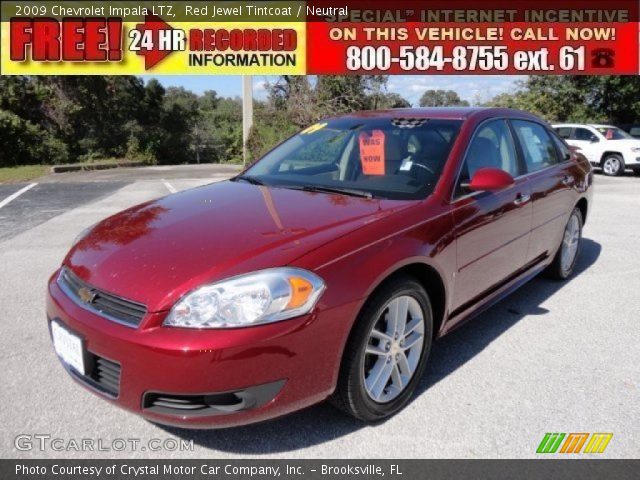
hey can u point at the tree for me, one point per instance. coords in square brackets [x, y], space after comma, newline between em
[392, 100]
[24, 142]
[576, 98]
[55, 119]
[21, 96]
[180, 115]
[295, 95]
[442, 98]
[89, 113]
[295, 102]
[220, 130]
[337, 94]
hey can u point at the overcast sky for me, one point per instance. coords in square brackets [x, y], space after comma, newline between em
[468, 87]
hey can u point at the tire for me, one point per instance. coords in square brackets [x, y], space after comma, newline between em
[613, 165]
[356, 387]
[562, 269]
[636, 172]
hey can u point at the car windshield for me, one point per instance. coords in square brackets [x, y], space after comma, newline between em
[613, 133]
[394, 158]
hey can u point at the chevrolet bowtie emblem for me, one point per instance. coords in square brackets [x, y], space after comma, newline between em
[86, 295]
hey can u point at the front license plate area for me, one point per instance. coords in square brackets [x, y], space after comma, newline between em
[68, 347]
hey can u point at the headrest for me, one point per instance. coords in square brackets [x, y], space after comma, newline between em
[394, 148]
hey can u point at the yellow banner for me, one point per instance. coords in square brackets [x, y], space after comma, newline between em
[191, 48]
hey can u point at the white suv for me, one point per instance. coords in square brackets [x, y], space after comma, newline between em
[605, 146]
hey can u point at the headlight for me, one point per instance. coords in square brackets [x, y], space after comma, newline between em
[257, 298]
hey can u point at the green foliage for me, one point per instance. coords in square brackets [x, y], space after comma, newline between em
[271, 126]
[566, 98]
[55, 119]
[26, 143]
[295, 102]
[392, 100]
[219, 132]
[442, 98]
[59, 119]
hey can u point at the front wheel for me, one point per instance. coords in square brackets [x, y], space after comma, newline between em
[387, 351]
[613, 165]
[565, 260]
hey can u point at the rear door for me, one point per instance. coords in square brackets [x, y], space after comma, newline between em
[564, 132]
[550, 172]
[492, 228]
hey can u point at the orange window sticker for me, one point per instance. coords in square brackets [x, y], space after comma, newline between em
[372, 152]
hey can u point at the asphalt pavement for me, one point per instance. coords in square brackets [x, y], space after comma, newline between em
[552, 357]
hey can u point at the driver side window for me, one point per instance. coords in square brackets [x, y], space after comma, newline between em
[491, 147]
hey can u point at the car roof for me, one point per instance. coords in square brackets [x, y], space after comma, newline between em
[449, 113]
[592, 125]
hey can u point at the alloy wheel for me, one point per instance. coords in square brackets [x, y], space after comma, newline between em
[570, 242]
[611, 166]
[394, 349]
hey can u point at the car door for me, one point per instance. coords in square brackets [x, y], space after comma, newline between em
[589, 143]
[551, 178]
[491, 228]
[564, 132]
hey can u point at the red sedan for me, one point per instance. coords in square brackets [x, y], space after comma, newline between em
[323, 271]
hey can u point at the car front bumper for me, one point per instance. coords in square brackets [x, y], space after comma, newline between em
[206, 378]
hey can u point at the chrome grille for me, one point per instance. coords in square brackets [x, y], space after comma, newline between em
[105, 304]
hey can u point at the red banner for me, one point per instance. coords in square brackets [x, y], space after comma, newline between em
[456, 37]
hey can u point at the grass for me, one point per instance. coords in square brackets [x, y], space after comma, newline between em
[25, 173]
[22, 173]
[109, 160]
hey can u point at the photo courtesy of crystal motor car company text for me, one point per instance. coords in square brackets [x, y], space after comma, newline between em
[263, 229]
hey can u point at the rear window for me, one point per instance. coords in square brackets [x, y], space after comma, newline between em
[537, 145]
[613, 133]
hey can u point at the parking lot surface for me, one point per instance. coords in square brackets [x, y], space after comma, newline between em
[552, 357]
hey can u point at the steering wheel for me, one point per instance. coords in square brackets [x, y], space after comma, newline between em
[428, 169]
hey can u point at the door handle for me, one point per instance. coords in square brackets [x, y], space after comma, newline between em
[568, 180]
[521, 199]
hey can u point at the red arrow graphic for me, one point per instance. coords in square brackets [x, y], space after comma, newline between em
[152, 56]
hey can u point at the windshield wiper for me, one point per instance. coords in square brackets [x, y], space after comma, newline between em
[249, 179]
[341, 191]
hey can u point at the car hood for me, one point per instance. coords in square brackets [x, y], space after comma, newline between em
[627, 143]
[155, 252]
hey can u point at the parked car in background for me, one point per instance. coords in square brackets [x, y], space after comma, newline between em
[605, 146]
[632, 129]
[324, 270]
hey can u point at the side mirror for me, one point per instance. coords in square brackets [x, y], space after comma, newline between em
[490, 180]
[594, 139]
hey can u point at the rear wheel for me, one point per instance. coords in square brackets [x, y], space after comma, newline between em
[565, 260]
[613, 165]
[387, 351]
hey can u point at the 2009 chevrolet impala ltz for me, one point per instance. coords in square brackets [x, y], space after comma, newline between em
[324, 270]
